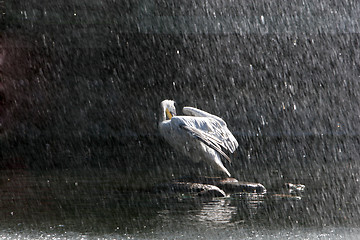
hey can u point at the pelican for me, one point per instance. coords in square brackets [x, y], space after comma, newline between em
[199, 135]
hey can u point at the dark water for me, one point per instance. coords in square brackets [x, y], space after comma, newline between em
[93, 204]
[87, 204]
[80, 87]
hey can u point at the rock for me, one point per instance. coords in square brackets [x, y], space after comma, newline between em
[198, 189]
[248, 187]
[295, 188]
[211, 191]
[229, 185]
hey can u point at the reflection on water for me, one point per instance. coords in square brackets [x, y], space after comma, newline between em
[235, 209]
[216, 212]
[247, 204]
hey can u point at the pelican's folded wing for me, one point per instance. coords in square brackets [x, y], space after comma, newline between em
[190, 111]
[205, 138]
[218, 128]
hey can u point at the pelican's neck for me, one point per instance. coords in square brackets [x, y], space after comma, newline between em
[162, 116]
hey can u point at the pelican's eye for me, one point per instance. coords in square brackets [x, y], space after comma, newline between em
[168, 114]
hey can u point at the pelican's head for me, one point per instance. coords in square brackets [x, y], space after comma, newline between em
[168, 108]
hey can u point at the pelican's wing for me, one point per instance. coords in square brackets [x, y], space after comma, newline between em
[205, 138]
[190, 111]
[217, 129]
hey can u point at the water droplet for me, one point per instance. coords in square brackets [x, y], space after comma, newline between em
[232, 81]
[263, 121]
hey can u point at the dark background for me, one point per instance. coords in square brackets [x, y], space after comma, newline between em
[81, 83]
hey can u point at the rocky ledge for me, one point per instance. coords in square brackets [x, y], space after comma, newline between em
[209, 186]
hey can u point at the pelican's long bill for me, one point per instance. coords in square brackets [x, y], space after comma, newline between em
[168, 114]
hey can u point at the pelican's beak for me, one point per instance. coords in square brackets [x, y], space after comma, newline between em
[168, 114]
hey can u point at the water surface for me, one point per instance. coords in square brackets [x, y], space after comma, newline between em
[91, 203]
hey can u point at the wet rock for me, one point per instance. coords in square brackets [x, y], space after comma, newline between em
[288, 192]
[239, 186]
[229, 185]
[198, 189]
[295, 188]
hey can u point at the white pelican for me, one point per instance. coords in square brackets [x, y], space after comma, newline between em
[199, 135]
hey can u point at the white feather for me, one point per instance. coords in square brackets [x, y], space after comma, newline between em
[199, 135]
